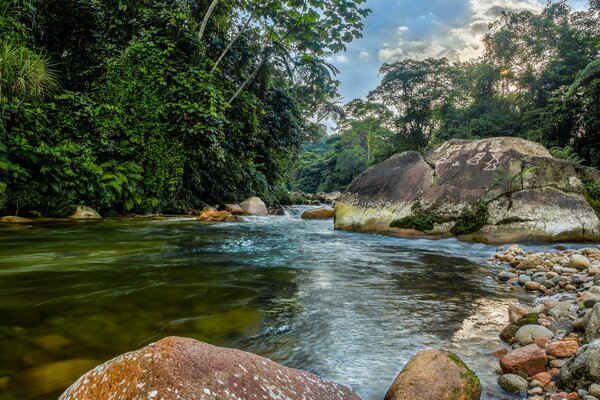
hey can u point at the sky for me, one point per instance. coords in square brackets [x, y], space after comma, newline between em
[398, 29]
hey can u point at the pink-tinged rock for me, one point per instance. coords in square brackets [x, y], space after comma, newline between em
[562, 349]
[178, 368]
[559, 396]
[543, 377]
[530, 360]
[512, 281]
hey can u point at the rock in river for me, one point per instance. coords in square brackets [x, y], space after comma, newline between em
[435, 374]
[234, 209]
[178, 368]
[83, 212]
[496, 190]
[254, 206]
[319, 213]
[11, 219]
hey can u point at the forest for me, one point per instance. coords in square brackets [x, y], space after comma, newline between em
[161, 105]
[538, 79]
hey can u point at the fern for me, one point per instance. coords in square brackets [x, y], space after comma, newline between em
[567, 153]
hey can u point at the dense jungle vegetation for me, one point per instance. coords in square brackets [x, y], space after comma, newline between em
[161, 105]
[539, 78]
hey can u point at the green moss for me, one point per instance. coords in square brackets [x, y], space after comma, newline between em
[421, 219]
[592, 194]
[420, 222]
[471, 220]
[472, 389]
[528, 319]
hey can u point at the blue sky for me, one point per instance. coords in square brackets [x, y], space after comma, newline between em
[419, 29]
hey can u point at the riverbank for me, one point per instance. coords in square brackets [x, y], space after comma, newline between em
[553, 340]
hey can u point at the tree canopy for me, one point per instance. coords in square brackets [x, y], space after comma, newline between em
[161, 105]
[538, 78]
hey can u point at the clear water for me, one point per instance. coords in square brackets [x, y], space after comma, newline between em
[350, 307]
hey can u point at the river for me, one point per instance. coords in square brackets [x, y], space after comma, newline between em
[349, 307]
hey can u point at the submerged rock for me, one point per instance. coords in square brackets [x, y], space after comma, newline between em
[254, 206]
[496, 190]
[178, 368]
[11, 219]
[435, 374]
[83, 212]
[319, 213]
[47, 379]
[209, 215]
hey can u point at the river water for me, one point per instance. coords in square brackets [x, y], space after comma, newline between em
[349, 307]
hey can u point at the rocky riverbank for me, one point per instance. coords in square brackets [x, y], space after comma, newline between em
[554, 350]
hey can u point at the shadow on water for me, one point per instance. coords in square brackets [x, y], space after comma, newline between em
[352, 308]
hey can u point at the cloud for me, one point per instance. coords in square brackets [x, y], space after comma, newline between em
[458, 41]
[363, 55]
[341, 59]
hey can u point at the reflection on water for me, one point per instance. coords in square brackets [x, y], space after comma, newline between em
[349, 307]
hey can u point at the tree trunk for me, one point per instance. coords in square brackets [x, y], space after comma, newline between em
[206, 18]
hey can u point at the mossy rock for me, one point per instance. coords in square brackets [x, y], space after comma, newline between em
[435, 374]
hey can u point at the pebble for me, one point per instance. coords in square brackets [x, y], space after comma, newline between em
[513, 384]
[570, 283]
[594, 390]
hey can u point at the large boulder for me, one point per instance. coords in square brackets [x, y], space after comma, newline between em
[495, 190]
[254, 206]
[84, 212]
[178, 368]
[435, 374]
[583, 368]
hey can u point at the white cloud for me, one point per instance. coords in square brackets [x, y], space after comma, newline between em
[341, 59]
[363, 55]
[458, 43]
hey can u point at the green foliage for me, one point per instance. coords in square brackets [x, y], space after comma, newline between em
[539, 79]
[567, 153]
[471, 220]
[420, 219]
[593, 194]
[145, 118]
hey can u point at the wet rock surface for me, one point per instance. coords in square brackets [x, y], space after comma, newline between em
[497, 190]
[178, 368]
